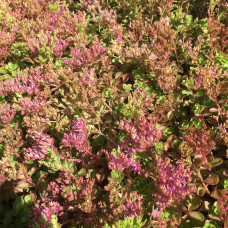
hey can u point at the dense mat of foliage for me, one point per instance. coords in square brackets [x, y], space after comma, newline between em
[113, 113]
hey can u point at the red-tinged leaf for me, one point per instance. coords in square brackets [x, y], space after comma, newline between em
[30, 198]
[178, 217]
[166, 146]
[213, 110]
[208, 165]
[32, 171]
[206, 205]
[201, 191]
[170, 115]
[212, 179]
[216, 193]
[192, 202]
[216, 162]
[21, 185]
[171, 138]
[197, 184]
[196, 215]
[204, 173]
[198, 162]
[223, 173]
[118, 74]
[125, 78]
[27, 59]
[212, 121]
[161, 127]
[215, 217]
[16, 126]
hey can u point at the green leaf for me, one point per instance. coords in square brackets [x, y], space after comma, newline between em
[109, 93]
[212, 179]
[168, 131]
[176, 143]
[225, 183]
[197, 123]
[2, 147]
[201, 191]
[129, 222]
[214, 208]
[222, 59]
[21, 185]
[91, 173]
[140, 184]
[98, 143]
[58, 64]
[8, 218]
[82, 171]
[188, 19]
[192, 202]
[68, 165]
[216, 162]
[29, 199]
[24, 219]
[53, 7]
[117, 175]
[11, 67]
[5, 76]
[210, 224]
[216, 193]
[196, 215]
[2, 70]
[42, 59]
[198, 108]
[127, 87]
[159, 147]
[168, 214]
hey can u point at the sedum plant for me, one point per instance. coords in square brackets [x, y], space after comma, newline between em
[113, 113]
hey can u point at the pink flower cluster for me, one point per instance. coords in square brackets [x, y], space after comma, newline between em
[142, 134]
[171, 182]
[123, 160]
[60, 46]
[142, 99]
[86, 56]
[133, 205]
[47, 209]
[89, 77]
[78, 137]
[34, 106]
[7, 38]
[33, 44]
[24, 82]
[7, 113]
[42, 142]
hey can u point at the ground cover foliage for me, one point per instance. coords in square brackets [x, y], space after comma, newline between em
[113, 113]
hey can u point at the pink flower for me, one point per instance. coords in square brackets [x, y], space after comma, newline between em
[123, 160]
[78, 137]
[34, 106]
[89, 77]
[60, 46]
[6, 113]
[155, 213]
[171, 182]
[47, 209]
[133, 206]
[41, 143]
[142, 134]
